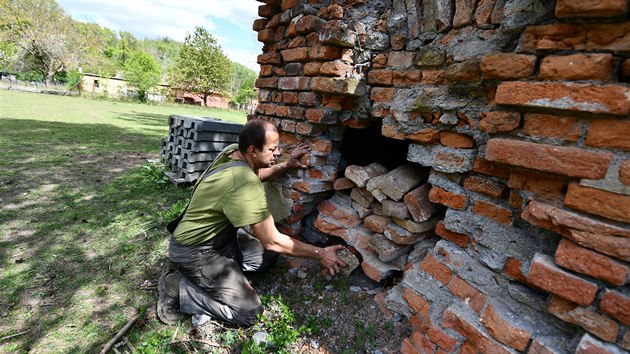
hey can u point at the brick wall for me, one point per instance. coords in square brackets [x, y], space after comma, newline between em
[519, 110]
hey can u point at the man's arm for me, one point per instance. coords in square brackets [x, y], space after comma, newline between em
[273, 240]
[273, 172]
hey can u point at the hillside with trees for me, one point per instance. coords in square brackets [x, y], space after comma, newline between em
[40, 42]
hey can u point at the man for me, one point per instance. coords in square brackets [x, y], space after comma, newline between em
[210, 252]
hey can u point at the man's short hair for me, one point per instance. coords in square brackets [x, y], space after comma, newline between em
[253, 133]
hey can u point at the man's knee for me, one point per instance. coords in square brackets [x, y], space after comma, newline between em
[249, 318]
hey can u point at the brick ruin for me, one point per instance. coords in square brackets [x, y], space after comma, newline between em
[477, 151]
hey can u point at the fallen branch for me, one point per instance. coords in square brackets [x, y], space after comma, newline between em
[120, 333]
[13, 336]
[212, 344]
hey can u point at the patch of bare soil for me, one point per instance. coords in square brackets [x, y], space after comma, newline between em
[340, 312]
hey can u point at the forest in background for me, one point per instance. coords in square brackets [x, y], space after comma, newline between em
[40, 42]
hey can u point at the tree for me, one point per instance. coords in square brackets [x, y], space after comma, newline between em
[242, 84]
[165, 50]
[46, 37]
[142, 71]
[201, 67]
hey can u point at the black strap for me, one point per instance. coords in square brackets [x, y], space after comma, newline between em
[172, 225]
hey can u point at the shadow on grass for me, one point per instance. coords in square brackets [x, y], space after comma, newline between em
[81, 230]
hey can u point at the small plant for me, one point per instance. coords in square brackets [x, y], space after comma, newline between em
[228, 338]
[155, 174]
[277, 321]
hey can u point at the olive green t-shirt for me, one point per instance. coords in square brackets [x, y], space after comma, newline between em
[233, 196]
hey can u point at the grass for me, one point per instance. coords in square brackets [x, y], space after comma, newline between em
[82, 240]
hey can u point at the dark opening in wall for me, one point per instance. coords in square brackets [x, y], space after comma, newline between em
[365, 146]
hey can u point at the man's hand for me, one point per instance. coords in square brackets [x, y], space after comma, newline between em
[328, 258]
[294, 157]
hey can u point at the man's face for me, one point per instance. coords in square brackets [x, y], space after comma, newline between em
[270, 151]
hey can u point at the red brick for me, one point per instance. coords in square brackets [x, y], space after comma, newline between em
[467, 71]
[625, 341]
[295, 54]
[505, 66]
[283, 111]
[268, 10]
[325, 53]
[376, 223]
[418, 203]
[479, 341]
[307, 98]
[390, 130]
[512, 268]
[312, 68]
[515, 200]
[551, 126]
[421, 342]
[266, 35]
[503, 330]
[616, 305]
[483, 12]
[573, 36]
[382, 94]
[467, 293]
[589, 8]
[259, 24]
[290, 97]
[539, 183]
[443, 340]
[434, 77]
[624, 173]
[270, 82]
[609, 133]
[400, 60]
[545, 275]
[335, 68]
[495, 122]
[485, 186]
[417, 303]
[593, 322]
[449, 199]
[268, 58]
[407, 347]
[425, 135]
[569, 161]
[490, 169]
[602, 237]
[436, 269]
[584, 261]
[456, 140]
[459, 239]
[492, 211]
[577, 67]
[380, 77]
[590, 345]
[463, 13]
[299, 83]
[538, 347]
[343, 183]
[609, 99]
[309, 23]
[348, 86]
[320, 116]
[296, 112]
[321, 145]
[599, 202]
[467, 348]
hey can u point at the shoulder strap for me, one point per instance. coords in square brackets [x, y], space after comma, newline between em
[172, 225]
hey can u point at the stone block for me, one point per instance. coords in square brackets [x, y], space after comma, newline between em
[386, 249]
[396, 183]
[351, 261]
[362, 196]
[442, 158]
[401, 236]
[360, 175]
[395, 209]
[362, 211]
[417, 227]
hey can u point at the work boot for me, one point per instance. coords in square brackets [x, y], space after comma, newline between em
[168, 304]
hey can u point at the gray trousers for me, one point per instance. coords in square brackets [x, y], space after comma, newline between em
[213, 282]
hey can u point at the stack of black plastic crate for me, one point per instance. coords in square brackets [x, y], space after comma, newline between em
[193, 143]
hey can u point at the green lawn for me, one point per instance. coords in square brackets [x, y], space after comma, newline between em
[82, 240]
